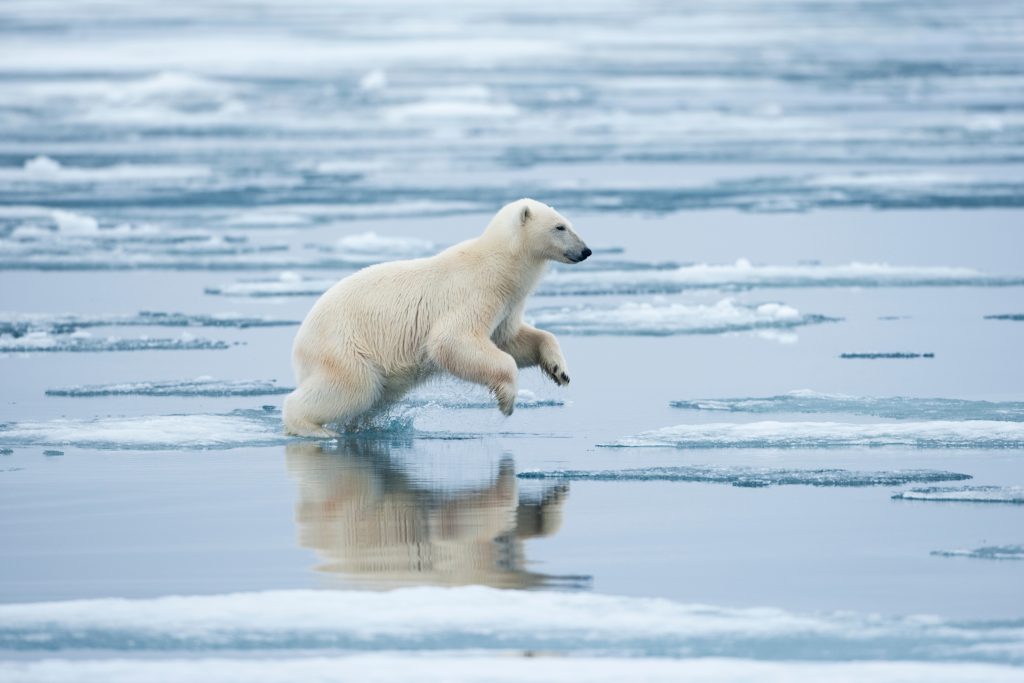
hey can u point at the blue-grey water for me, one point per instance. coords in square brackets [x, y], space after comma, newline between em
[808, 283]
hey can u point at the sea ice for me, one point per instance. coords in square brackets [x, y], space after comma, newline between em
[496, 668]
[770, 434]
[664, 318]
[990, 552]
[434, 620]
[745, 275]
[898, 407]
[966, 494]
[751, 477]
[203, 386]
[151, 432]
[17, 325]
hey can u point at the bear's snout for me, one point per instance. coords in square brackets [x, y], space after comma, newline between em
[582, 256]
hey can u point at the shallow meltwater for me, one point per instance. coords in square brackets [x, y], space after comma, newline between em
[791, 447]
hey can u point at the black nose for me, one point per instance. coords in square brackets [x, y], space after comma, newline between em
[585, 253]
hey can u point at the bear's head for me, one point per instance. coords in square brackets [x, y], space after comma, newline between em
[542, 232]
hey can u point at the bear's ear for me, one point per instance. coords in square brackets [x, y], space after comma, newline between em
[524, 215]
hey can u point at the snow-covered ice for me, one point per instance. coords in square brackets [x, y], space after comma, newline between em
[988, 552]
[966, 494]
[485, 619]
[151, 432]
[500, 668]
[750, 477]
[773, 434]
[668, 318]
[202, 386]
[898, 407]
[745, 275]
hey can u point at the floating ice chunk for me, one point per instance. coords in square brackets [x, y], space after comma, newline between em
[899, 407]
[69, 223]
[486, 620]
[34, 342]
[991, 552]
[371, 247]
[662, 318]
[266, 218]
[933, 434]
[374, 80]
[197, 387]
[966, 494]
[287, 284]
[886, 355]
[451, 109]
[499, 668]
[20, 324]
[754, 477]
[151, 432]
[43, 169]
[744, 275]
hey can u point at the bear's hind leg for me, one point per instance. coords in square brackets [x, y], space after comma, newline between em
[317, 402]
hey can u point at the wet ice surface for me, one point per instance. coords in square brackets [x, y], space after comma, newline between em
[761, 169]
[774, 434]
[202, 386]
[422, 619]
[966, 494]
[992, 552]
[750, 476]
[665, 318]
[899, 407]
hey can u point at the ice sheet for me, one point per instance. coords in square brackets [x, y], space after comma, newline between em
[771, 434]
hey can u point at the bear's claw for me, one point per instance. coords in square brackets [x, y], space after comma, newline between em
[557, 375]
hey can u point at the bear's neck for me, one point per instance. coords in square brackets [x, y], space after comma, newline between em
[515, 269]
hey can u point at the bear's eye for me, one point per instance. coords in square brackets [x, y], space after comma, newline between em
[559, 227]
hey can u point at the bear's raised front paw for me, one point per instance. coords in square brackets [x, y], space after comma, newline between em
[557, 373]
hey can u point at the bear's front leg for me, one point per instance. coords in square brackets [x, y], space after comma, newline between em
[552, 362]
[477, 359]
[530, 346]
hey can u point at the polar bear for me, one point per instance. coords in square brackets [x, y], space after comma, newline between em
[379, 332]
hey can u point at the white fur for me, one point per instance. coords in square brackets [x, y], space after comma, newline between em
[381, 331]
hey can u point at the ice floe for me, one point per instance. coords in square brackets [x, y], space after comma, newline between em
[496, 668]
[20, 324]
[744, 275]
[771, 434]
[202, 386]
[44, 170]
[899, 407]
[369, 247]
[751, 477]
[432, 620]
[151, 432]
[966, 494]
[989, 552]
[885, 355]
[286, 284]
[81, 341]
[667, 318]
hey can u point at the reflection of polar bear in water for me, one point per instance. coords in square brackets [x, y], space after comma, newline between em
[378, 333]
[367, 519]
